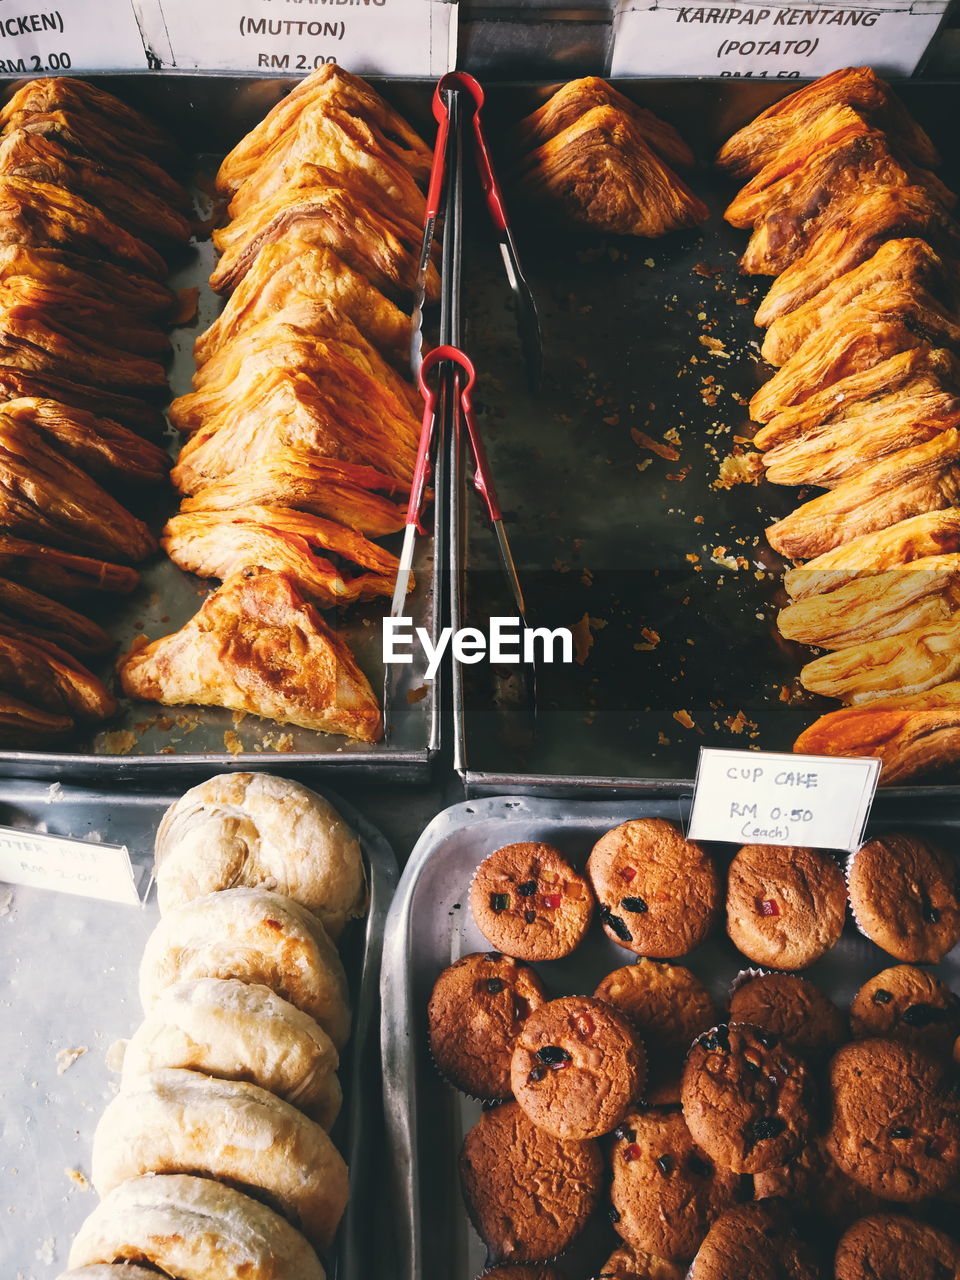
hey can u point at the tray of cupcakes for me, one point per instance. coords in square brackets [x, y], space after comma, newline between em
[208, 1065]
[613, 1052]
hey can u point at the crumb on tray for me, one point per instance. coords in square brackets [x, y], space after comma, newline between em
[67, 1057]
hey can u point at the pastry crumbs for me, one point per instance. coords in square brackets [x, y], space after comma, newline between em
[684, 718]
[232, 743]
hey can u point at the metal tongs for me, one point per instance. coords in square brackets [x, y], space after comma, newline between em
[528, 319]
[455, 361]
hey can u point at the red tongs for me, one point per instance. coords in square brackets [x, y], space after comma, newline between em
[482, 480]
[528, 319]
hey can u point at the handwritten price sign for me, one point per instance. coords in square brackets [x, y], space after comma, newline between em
[83, 867]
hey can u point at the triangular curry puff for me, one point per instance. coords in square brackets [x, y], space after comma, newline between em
[257, 645]
[601, 173]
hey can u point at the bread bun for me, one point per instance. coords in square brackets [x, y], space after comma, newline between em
[194, 1229]
[108, 1271]
[237, 1031]
[255, 831]
[181, 1121]
[255, 936]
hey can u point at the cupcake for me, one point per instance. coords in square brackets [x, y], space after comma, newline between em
[669, 1007]
[529, 902]
[577, 1066]
[895, 1124]
[792, 1008]
[906, 1003]
[903, 893]
[475, 1013]
[627, 1264]
[754, 1242]
[747, 1098]
[812, 1178]
[659, 894]
[521, 1273]
[529, 1195]
[785, 906]
[666, 1191]
[888, 1246]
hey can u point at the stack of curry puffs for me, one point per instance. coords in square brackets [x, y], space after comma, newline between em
[87, 214]
[848, 214]
[594, 159]
[300, 435]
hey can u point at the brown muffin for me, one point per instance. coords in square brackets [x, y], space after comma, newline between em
[659, 894]
[475, 1013]
[906, 1003]
[754, 1242]
[529, 902]
[793, 1009]
[888, 1246]
[747, 1098]
[894, 1123]
[577, 1067]
[521, 1273]
[903, 893]
[529, 1195]
[785, 906]
[666, 1191]
[627, 1264]
[813, 1179]
[669, 1007]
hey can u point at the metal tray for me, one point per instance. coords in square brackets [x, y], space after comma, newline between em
[70, 966]
[603, 529]
[208, 114]
[430, 925]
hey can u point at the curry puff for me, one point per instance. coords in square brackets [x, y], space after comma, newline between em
[289, 288]
[329, 87]
[44, 496]
[216, 544]
[912, 735]
[347, 214]
[909, 483]
[907, 663]
[876, 605]
[868, 332]
[142, 418]
[574, 99]
[258, 645]
[762, 140]
[45, 675]
[61, 574]
[600, 173]
[933, 533]
[851, 230]
[33, 614]
[298, 479]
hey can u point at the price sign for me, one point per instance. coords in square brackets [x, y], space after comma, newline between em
[770, 39]
[71, 866]
[752, 797]
[294, 37]
[69, 35]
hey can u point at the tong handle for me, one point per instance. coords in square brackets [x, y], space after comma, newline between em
[423, 468]
[488, 178]
[482, 475]
[438, 167]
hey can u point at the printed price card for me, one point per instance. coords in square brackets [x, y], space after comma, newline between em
[295, 37]
[69, 35]
[754, 797]
[771, 39]
[71, 866]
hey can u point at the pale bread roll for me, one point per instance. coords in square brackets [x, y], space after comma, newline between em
[255, 936]
[194, 1229]
[237, 1031]
[255, 831]
[108, 1271]
[181, 1121]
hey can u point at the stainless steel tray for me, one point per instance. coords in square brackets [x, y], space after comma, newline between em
[70, 981]
[623, 323]
[208, 114]
[430, 926]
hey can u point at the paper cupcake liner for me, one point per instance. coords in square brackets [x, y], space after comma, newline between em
[847, 868]
[748, 975]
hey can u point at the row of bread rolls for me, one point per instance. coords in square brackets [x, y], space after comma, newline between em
[89, 216]
[593, 158]
[229, 1084]
[301, 432]
[846, 211]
